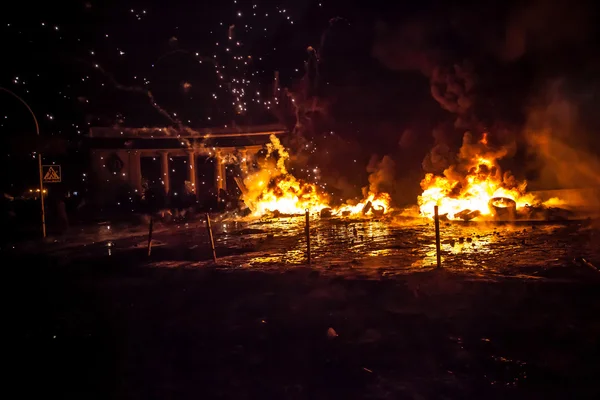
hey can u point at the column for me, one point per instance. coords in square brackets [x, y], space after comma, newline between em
[192, 170]
[220, 177]
[164, 170]
[135, 171]
[244, 162]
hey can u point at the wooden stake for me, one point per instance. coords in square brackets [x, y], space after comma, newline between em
[307, 230]
[212, 240]
[150, 228]
[437, 237]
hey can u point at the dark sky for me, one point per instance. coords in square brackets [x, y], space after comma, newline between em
[85, 63]
[65, 59]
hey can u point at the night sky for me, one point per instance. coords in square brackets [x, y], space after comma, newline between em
[395, 78]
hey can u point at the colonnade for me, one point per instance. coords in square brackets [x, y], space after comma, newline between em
[220, 163]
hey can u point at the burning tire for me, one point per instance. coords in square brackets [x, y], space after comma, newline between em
[503, 208]
[468, 215]
[326, 213]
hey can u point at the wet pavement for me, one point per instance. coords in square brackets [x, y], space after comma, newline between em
[363, 248]
[513, 313]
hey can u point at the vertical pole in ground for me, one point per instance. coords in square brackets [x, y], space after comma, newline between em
[42, 194]
[150, 229]
[307, 231]
[210, 236]
[37, 131]
[437, 236]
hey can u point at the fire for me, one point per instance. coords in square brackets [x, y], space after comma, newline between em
[273, 189]
[282, 193]
[379, 204]
[473, 184]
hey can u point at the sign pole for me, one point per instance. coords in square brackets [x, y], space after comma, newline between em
[42, 193]
[37, 131]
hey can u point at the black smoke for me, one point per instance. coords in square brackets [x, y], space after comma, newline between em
[407, 82]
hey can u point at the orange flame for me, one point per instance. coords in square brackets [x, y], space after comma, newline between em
[484, 139]
[272, 188]
[472, 183]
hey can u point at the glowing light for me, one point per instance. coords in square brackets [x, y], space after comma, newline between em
[472, 184]
[273, 189]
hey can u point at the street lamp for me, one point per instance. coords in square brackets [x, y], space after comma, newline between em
[37, 131]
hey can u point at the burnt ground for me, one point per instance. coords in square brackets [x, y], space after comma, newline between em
[514, 313]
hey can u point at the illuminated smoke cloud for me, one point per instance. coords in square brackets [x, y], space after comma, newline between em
[559, 141]
[382, 173]
[436, 43]
[453, 88]
[305, 103]
[411, 46]
[441, 156]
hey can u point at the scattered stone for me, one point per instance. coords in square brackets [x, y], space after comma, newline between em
[331, 333]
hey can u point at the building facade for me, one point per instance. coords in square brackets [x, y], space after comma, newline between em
[136, 158]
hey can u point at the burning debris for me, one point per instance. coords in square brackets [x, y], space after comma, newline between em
[475, 187]
[272, 190]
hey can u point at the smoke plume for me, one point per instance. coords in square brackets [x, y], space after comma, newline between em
[480, 60]
[381, 175]
[558, 141]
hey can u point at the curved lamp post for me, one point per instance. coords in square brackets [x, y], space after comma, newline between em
[37, 131]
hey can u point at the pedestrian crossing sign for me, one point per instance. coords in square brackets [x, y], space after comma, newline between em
[51, 173]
